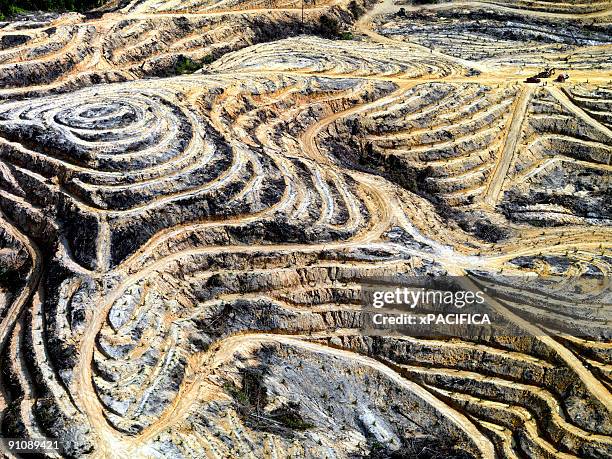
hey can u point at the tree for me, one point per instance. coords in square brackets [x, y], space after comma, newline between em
[10, 7]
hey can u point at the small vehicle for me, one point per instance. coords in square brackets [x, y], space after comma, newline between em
[562, 78]
[532, 79]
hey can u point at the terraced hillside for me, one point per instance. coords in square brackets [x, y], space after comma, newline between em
[192, 195]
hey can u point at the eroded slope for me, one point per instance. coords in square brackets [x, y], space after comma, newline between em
[188, 252]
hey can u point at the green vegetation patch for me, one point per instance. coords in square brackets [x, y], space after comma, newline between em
[185, 65]
[329, 27]
[12, 7]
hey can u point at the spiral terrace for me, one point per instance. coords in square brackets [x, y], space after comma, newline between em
[182, 254]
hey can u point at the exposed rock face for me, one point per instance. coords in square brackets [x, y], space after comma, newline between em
[181, 256]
